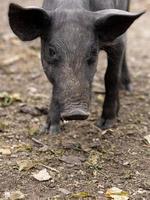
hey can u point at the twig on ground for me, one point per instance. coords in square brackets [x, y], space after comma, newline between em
[37, 141]
[50, 168]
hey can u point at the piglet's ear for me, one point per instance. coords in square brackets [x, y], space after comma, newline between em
[112, 23]
[28, 23]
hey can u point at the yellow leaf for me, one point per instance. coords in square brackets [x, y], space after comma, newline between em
[7, 99]
[25, 165]
[116, 194]
[100, 98]
[33, 129]
[16, 97]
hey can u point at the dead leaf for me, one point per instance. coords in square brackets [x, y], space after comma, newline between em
[64, 191]
[5, 151]
[42, 175]
[100, 98]
[33, 129]
[80, 195]
[116, 194]
[22, 147]
[29, 110]
[93, 158]
[43, 110]
[7, 99]
[71, 145]
[25, 165]
[45, 148]
[147, 139]
[3, 126]
[34, 111]
[15, 195]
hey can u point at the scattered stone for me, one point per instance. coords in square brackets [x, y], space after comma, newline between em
[43, 110]
[2, 112]
[96, 144]
[3, 126]
[29, 110]
[146, 185]
[126, 163]
[86, 148]
[73, 160]
[5, 152]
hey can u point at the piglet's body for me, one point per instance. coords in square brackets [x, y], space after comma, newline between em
[72, 33]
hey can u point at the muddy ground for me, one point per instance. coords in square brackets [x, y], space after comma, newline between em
[82, 158]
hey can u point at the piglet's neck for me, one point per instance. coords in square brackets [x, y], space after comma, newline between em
[66, 4]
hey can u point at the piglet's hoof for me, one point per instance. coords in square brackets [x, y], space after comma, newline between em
[54, 129]
[127, 87]
[106, 123]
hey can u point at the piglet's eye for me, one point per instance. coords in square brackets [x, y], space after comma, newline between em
[52, 52]
[51, 55]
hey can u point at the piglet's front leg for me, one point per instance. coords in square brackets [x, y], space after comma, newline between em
[52, 125]
[112, 77]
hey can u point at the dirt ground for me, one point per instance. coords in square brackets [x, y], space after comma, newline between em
[83, 161]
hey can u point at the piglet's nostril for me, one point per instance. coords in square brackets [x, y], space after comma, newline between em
[76, 114]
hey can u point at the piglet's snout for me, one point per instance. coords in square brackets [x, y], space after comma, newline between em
[76, 114]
